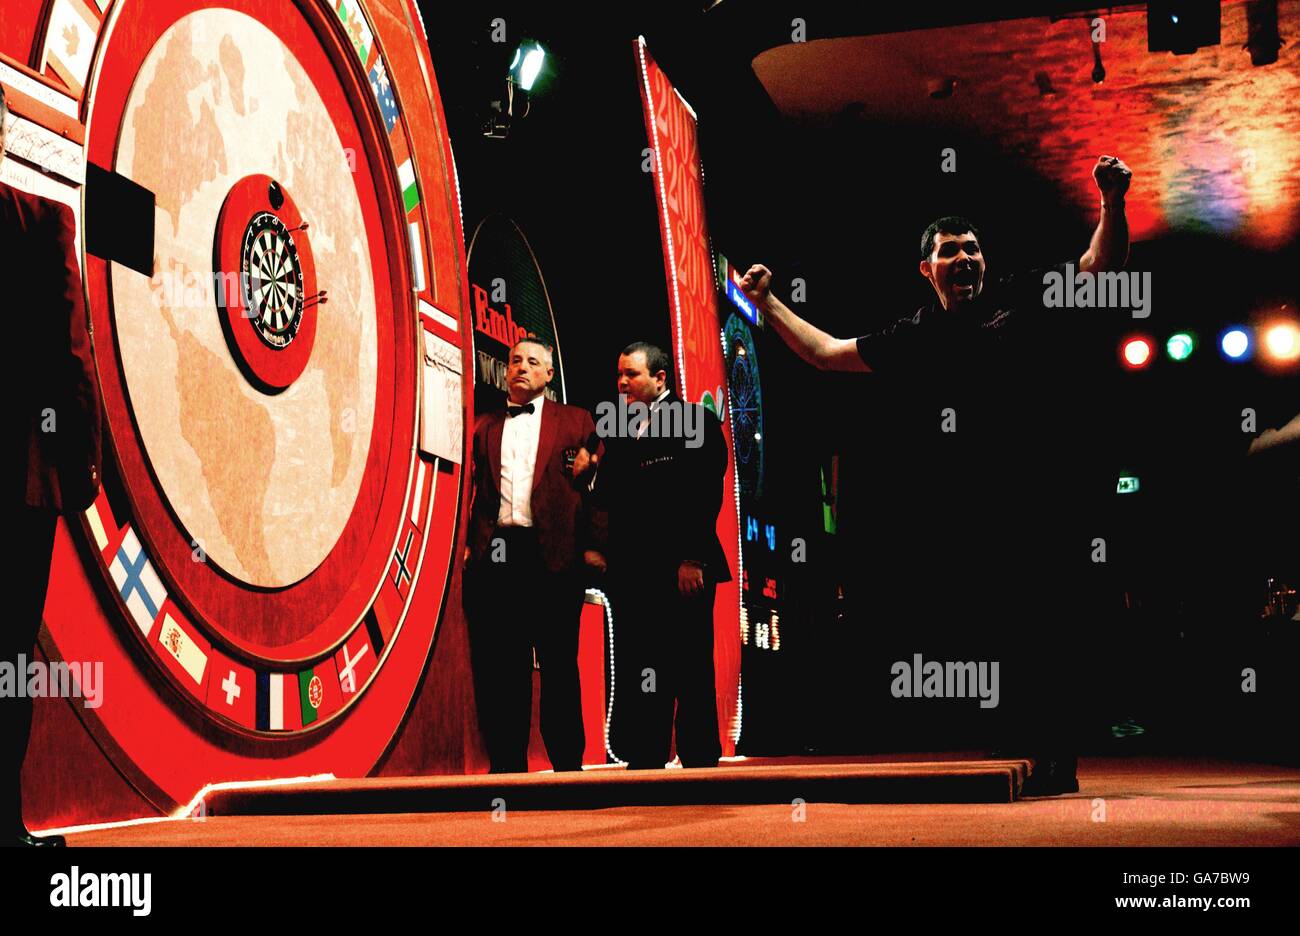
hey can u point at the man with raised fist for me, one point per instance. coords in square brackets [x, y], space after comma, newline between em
[974, 452]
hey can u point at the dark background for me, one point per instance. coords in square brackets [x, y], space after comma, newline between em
[842, 205]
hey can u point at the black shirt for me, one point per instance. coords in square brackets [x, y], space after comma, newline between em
[973, 443]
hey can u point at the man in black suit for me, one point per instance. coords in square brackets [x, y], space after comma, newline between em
[661, 485]
[530, 537]
[51, 429]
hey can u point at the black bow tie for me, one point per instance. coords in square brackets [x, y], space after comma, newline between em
[513, 411]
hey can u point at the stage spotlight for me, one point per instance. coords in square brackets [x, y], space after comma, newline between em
[527, 65]
[1282, 341]
[1182, 26]
[521, 77]
[1235, 343]
[1137, 352]
[1180, 346]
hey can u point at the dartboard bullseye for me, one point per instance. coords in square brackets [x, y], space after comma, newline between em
[272, 275]
[265, 569]
[269, 299]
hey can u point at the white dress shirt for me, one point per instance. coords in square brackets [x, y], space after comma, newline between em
[645, 423]
[519, 436]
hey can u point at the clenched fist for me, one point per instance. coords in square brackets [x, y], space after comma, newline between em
[1112, 177]
[583, 462]
[756, 284]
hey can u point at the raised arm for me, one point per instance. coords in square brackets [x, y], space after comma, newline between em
[1108, 249]
[822, 351]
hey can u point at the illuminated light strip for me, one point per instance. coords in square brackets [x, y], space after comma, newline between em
[185, 812]
[740, 706]
[420, 16]
[439, 316]
[668, 233]
[455, 177]
[688, 107]
[740, 543]
[609, 708]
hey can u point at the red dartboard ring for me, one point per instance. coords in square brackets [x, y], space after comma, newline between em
[263, 249]
[294, 646]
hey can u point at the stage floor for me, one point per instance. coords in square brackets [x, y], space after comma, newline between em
[1121, 802]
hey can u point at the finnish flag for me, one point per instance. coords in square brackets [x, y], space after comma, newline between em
[138, 583]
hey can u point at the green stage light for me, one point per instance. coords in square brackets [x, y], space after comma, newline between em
[1180, 346]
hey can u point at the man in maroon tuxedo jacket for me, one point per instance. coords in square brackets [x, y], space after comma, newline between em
[51, 432]
[530, 538]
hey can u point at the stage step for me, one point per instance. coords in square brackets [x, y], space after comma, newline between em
[730, 784]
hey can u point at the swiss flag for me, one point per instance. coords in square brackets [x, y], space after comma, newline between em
[232, 690]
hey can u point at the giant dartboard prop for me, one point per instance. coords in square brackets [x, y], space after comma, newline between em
[285, 396]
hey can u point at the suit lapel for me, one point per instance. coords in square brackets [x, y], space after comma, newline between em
[494, 430]
[545, 440]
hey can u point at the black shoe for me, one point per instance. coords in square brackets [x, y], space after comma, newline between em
[1052, 776]
[25, 839]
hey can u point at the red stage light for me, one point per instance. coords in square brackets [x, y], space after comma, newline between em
[1137, 352]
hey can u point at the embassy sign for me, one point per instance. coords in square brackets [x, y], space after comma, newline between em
[509, 301]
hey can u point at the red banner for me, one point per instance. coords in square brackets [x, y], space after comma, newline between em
[697, 338]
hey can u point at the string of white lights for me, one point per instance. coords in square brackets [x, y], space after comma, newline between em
[609, 630]
[668, 231]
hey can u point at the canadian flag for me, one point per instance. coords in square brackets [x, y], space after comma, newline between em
[70, 43]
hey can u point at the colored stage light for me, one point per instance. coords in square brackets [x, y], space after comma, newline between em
[1180, 346]
[1137, 352]
[1235, 343]
[527, 64]
[1282, 341]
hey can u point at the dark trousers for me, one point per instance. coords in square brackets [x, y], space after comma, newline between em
[515, 607]
[663, 659]
[26, 575]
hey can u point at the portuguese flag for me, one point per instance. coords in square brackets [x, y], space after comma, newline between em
[318, 692]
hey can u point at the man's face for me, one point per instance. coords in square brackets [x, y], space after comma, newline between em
[527, 373]
[955, 268]
[635, 380]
